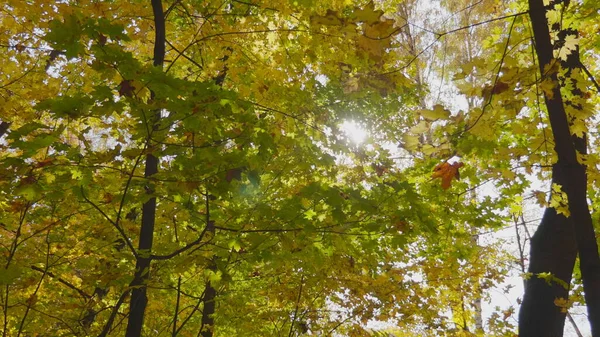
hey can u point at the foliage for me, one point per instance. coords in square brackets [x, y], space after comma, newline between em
[312, 234]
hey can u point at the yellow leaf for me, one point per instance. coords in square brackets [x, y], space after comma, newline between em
[559, 201]
[547, 87]
[438, 112]
[410, 142]
[540, 198]
[420, 128]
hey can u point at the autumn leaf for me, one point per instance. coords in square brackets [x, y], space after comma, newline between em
[438, 112]
[447, 172]
[126, 88]
[499, 87]
[234, 174]
[329, 19]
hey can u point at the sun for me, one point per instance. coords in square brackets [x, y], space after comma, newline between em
[354, 131]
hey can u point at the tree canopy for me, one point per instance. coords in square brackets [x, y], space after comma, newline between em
[185, 168]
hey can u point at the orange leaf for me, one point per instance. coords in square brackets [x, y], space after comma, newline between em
[447, 172]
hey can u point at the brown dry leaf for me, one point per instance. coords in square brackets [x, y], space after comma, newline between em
[447, 172]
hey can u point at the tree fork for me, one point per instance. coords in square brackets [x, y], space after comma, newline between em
[568, 173]
[139, 298]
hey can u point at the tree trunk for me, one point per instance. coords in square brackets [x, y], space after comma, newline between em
[139, 298]
[4, 128]
[571, 176]
[553, 250]
[208, 311]
[210, 293]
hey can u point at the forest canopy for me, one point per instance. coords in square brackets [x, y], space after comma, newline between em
[195, 168]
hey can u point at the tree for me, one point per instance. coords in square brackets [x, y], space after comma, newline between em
[554, 248]
[180, 168]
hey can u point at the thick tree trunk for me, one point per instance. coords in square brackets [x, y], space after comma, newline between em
[139, 298]
[553, 250]
[571, 176]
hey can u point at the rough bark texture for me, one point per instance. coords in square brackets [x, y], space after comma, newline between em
[139, 298]
[571, 176]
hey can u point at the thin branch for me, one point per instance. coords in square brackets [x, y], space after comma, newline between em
[440, 35]
[25, 73]
[482, 23]
[174, 334]
[191, 313]
[33, 297]
[504, 53]
[63, 281]
[116, 225]
[394, 32]
[168, 11]
[585, 69]
[181, 53]
[579, 334]
[266, 108]
[181, 250]
[114, 312]
[297, 306]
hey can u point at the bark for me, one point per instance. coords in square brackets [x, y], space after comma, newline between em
[553, 250]
[208, 311]
[139, 298]
[4, 128]
[210, 293]
[571, 176]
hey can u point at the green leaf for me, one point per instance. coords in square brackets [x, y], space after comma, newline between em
[9, 274]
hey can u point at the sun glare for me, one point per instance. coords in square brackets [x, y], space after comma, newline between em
[354, 131]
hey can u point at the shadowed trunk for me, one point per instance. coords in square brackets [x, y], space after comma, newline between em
[139, 298]
[210, 293]
[553, 250]
[4, 128]
[552, 239]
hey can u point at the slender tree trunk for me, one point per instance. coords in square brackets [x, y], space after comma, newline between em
[571, 176]
[210, 293]
[139, 298]
[478, 313]
[208, 311]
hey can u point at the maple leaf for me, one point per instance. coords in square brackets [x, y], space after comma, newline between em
[126, 88]
[447, 172]
[235, 173]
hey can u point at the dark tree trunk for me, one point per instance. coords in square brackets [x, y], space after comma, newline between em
[571, 176]
[4, 128]
[210, 293]
[553, 250]
[139, 298]
[208, 311]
